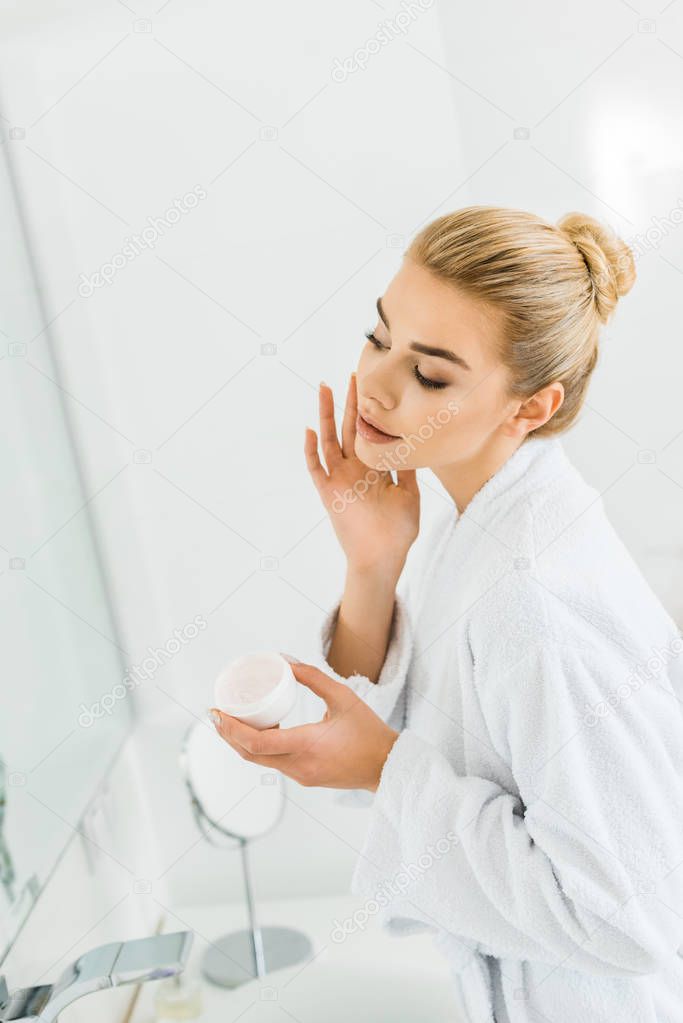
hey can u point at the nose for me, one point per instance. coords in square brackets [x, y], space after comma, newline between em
[378, 387]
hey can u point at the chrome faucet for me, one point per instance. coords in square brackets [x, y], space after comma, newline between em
[122, 962]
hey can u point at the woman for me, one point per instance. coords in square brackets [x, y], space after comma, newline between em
[525, 753]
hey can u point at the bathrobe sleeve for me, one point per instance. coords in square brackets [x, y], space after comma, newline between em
[386, 696]
[582, 866]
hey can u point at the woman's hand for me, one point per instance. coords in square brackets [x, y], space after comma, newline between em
[375, 519]
[345, 750]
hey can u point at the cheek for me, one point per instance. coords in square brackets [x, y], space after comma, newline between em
[433, 423]
[474, 411]
[447, 423]
[365, 353]
[364, 363]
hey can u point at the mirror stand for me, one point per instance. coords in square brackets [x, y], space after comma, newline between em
[255, 951]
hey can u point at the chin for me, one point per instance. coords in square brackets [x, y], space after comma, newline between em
[371, 458]
[366, 454]
[366, 459]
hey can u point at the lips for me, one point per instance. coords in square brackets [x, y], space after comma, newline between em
[376, 425]
[371, 433]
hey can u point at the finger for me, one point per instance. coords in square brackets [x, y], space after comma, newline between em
[313, 462]
[284, 762]
[328, 429]
[349, 424]
[318, 682]
[267, 741]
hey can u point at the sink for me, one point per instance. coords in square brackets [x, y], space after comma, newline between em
[339, 992]
[370, 977]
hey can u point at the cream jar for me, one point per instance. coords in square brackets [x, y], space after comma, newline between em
[258, 688]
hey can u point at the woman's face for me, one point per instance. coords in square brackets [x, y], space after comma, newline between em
[435, 426]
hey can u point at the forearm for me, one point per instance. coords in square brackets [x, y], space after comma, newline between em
[361, 635]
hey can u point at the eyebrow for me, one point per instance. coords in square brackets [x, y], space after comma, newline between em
[417, 346]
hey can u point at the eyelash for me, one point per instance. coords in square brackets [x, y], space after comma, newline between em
[429, 384]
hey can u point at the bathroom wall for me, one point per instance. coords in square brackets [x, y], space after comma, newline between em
[313, 152]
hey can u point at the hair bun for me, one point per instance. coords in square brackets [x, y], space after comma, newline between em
[609, 260]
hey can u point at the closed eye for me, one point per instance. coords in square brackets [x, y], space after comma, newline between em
[423, 381]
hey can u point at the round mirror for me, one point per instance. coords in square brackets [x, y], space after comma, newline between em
[239, 799]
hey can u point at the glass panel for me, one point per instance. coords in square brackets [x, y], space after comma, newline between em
[62, 663]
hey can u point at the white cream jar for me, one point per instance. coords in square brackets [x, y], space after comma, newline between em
[258, 688]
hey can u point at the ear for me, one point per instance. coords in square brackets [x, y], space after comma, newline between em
[540, 407]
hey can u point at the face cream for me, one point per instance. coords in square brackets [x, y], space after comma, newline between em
[258, 688]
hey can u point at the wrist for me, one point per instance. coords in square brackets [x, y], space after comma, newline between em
[386, 572]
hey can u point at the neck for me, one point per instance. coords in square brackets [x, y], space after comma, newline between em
[462, 479]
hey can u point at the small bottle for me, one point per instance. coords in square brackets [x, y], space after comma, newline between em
[258, 688]
[178, 997]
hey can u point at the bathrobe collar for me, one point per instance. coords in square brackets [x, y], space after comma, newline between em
[537, 460]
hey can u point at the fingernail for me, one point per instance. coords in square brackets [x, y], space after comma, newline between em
[288, 657]
[214, 717]
[323, 384]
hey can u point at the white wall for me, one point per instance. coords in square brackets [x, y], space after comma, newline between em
[598, 88]
[298, 234]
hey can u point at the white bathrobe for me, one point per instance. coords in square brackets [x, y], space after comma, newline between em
[530, 813]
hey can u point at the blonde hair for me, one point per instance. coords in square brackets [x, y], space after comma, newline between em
[555, 284]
